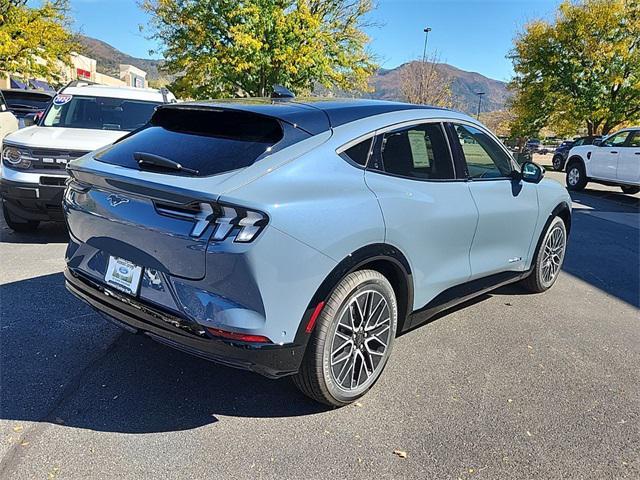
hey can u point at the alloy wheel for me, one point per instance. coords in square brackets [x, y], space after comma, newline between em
[360, 341]
[553, 255]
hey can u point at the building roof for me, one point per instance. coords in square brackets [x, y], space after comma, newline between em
[145, 94]
[314, 115]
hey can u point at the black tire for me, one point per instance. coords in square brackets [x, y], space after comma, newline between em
[576, 177]
[317, 378]
[630, 190]
[536, 282]
[18, 224]
[557, 163]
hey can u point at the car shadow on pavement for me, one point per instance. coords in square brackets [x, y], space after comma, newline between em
[48, 232]
[60, 362]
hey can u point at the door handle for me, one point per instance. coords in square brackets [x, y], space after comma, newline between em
[637, 153]
[613, 152]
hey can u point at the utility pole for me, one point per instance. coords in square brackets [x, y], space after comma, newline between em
[480, 94]
[424, 62]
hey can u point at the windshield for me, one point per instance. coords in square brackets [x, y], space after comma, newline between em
[99, 113]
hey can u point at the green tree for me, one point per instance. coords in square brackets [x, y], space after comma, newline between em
[582, 71]
[34, 42]
[229, 48]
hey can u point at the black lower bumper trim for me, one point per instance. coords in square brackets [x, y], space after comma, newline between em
[273, 361]
[33, 201]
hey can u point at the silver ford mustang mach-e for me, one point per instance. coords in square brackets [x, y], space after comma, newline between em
[300, 238]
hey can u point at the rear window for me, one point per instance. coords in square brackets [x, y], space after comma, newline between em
[204, 140]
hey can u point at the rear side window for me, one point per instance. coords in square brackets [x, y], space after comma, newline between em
[204, 140]
[419, 152]
[359, 153]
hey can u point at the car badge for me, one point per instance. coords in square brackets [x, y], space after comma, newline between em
[115, 200]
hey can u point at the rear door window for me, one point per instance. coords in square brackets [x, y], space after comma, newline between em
[419, 152]
[206, 141]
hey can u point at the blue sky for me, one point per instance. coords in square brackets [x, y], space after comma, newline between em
[473, 35]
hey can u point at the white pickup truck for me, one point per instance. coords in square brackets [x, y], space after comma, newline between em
[615, 161]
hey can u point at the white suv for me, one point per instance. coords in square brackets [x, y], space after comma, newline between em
[81, 118]
[615, 161]
[8, 121]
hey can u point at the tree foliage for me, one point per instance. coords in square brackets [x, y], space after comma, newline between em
[583, 70]
[230, 48]
[424, 83]
[35, 41]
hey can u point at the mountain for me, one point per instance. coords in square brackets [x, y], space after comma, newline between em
[386, 82]
[465, 85]
[109, 58]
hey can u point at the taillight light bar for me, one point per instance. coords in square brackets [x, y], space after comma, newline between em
[244, 224]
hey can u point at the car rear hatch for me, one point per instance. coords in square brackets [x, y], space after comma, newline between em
[151, 197]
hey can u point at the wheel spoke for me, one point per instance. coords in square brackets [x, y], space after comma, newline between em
[360, 339]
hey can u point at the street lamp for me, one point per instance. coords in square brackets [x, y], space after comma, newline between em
[426, 37]
[424, 61]
[480, 94]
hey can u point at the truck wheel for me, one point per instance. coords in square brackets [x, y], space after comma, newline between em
[18, 224]
[576, 176]
[630, 190]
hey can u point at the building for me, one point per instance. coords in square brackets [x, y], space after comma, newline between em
[82, 68]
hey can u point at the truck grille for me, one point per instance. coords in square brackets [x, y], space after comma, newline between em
[52, 159]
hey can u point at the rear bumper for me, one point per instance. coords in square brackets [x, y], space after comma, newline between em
[270, 360]
[34, 200]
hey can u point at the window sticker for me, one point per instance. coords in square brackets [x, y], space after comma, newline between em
[61, 99]
[419, 149]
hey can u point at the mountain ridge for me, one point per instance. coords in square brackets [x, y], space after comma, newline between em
[385, 82]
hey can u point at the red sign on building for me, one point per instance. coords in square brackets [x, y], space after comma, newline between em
[83, 73]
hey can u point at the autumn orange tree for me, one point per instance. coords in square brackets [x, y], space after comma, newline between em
[581, 71]
[221, 48]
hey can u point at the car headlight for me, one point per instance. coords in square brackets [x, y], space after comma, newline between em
[15, 158]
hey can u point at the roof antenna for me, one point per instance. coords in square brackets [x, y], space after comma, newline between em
[281, 92]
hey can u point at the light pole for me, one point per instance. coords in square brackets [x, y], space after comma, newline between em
[480, 94]
[424, 61]
[426, 37]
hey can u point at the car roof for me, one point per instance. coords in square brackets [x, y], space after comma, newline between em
[132, 93]
[13, 92]
[314, 115]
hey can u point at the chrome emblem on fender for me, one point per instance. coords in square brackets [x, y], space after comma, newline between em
[115, 200]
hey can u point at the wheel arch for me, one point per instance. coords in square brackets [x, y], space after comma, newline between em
[382, 257]
[562, 210]
[573, 159]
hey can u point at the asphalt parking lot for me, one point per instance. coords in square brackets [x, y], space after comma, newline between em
[511, 386]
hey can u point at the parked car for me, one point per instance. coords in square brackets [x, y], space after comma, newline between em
[533, 145]
[299, 238]
[8, 121]
[27, 105]
[615, 161]
[80, 119]
[562, 152]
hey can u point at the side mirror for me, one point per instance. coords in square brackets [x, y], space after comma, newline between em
[597, 142]
[30, 119]
[531, 172]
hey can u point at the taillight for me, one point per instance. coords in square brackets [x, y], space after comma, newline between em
[245, 224]
[229, 221]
